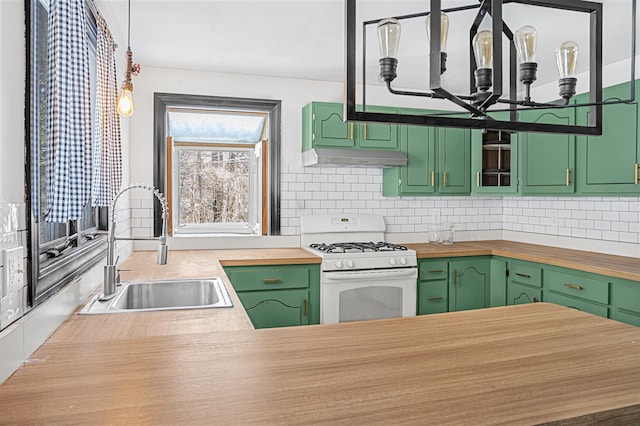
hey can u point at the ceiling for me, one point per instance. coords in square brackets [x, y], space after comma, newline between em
[305, 38]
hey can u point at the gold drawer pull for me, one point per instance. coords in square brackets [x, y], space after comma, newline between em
[271, 280]
[365, 132]
[573, 286]
[523, 275]
[434, 298]
[350, 130]
[444, 179]
[636, 174]
[436, 271]
[568, 176]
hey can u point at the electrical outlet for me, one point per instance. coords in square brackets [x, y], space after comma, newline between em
[13, 269]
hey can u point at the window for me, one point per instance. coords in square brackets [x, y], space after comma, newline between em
[217, 159]
[58, 251]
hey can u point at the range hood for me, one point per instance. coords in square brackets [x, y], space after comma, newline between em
[353, 157]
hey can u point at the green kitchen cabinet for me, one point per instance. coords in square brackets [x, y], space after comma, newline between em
[608, 164]
[498, 287]
[433, 291]
[576, 289]
[626, 301]
[524, 282]
[469, 284]
[276, 308]
[323, 126]
[278, 295]
[548, 160]
[494, 161]
[438, 161]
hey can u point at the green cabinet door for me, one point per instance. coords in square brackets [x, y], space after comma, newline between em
[469, 283]
[418, 177]
[608, 164]
[626, 301]
[326, 127]
[276, 308]
[548, 160]
[377, 135]
[454, 161]
[518, 294]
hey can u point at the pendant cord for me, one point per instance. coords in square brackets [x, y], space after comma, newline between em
[129, 27]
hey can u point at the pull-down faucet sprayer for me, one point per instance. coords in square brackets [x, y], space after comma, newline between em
[110, 269]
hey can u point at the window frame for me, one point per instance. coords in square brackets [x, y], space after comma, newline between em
[166, 101]
[46, 278]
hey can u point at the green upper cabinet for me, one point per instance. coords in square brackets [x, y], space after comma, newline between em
[454, 161]
[323, 127]
[494, 161]
[438, 161]
[608, 164]
[548, 160]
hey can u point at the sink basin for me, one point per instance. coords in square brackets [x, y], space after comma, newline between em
[163, 295]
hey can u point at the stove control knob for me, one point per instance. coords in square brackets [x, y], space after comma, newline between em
[392, 262]
[350, 264]
[339, 264]
[403, 260]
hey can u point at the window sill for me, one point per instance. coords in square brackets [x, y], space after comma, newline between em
[209, 242]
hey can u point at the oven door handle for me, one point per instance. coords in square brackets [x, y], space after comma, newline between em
[371, 275]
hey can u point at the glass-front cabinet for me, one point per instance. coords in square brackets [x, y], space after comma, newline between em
[494, 160]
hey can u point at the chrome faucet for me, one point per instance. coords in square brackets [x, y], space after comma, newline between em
[110, 269]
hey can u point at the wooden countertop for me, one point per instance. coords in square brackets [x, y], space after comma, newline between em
[525, 364]
[598, 263]
[275, 256]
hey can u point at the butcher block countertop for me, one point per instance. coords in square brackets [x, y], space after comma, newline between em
[597, 263]
[525, 364]
[275, 256]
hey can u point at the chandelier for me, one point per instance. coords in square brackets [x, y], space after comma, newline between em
[485, 68]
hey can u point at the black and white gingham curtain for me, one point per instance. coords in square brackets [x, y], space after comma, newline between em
[107, 151]
[68, 112]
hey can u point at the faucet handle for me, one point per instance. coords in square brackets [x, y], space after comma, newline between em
[118, 274]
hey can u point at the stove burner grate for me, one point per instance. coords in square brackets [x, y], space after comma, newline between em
[356, 247]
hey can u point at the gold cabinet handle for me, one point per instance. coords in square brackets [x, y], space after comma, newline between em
[568, 176]
[271, 280]
[436, 271]
[455, 277]
[305, 308]
[350, 130]
[434, 298]
[444, 179]
[523, 275]
[573, 286]
[364, 131]
[433, 178]
[478, 179]
[636, 174]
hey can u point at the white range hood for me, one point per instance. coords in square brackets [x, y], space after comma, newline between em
[353, 157]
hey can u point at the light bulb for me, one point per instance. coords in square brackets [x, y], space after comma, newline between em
[389, 37]
[567, 58]
[125, 101]
[444, 30]
[483, 49]
[526, 40]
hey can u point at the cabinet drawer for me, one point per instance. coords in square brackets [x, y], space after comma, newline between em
[626, 295]
[585, 288]
[518, 294]
[432, 297]
[525, 274]
[572, 302]
[433, 270]
[268, 277]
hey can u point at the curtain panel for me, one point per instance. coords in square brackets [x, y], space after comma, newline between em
[107, 152]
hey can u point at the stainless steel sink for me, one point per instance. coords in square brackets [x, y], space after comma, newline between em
[163, 295]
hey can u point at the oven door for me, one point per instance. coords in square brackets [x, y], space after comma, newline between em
[366, 295]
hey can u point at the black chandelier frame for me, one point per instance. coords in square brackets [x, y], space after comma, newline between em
[476, 105]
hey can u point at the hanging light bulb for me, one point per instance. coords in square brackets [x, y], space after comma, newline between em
[444, 32]
[125, 100]
[388, 38]
[483, 50]
[567, 59]
[526, 41]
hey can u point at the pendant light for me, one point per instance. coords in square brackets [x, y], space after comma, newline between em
[125, 100]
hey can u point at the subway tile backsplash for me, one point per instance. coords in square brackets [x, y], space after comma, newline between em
[318, 190]
[12, 235]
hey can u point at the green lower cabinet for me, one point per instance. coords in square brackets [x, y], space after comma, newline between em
[626, 301]
[469, 284]
[576, 289]
[432, 297]
[518, 294]
[276, 308]
[498, 288]
[278, 295]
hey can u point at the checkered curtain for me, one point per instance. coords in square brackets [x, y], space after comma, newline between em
[68, 112]
[107, 152]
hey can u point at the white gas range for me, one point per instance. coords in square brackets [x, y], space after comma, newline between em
[362, 276]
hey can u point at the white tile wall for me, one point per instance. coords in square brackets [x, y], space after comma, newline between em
[12, 235]
[318, 190]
